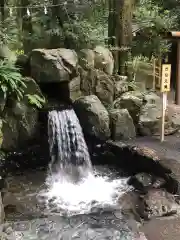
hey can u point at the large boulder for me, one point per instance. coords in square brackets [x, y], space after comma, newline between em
[160, 203]
[151, 114]
[122, 126]
[131, 205]
[149, 119]
[134, 159]
[173, 112]
[152, 98]
[74, 88]
[155, 203]
[132, 101]
[100, 58]
[53, 65]
[21, 120]
[94, 81]
[104, 88]
[93, 116]
[88, 81]
[103, 59]
[86, 59]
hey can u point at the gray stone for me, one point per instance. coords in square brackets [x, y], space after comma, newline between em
[103, 59]
[152, 98]
[88, 81]
[53, 65]
[21, 121]
[120, 85]
[150, 116]
[120, 78]
[99, 58]
[93, 116]
[122, 124]
[131, 205]
[132, 101]
[174, 114]
[149, 120]
[86, 58]
[74, 88]
[98, 83]
[104, 89]
[160, 203]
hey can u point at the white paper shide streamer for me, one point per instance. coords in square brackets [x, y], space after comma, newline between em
[28, 12]
[10, 11]
[45, 9]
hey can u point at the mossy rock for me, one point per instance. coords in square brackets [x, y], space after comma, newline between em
[21, 120]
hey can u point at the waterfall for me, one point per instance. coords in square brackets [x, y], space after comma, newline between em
[73, 185]
[68, 150]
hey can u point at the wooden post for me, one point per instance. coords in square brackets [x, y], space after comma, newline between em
[164, 106]
[154, 73]
[177, 96]
[165, 87]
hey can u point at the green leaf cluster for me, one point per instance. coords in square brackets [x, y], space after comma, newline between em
[12, 85]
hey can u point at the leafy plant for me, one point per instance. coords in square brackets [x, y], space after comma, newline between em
[11, 81]
[12, 85]
[140, 64]
[152, 21]
[36, 100]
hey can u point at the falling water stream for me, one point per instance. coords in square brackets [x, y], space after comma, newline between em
[76, 200]
[72, 183]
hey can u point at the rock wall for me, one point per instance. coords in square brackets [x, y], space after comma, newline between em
[105, 103]
[20, 124]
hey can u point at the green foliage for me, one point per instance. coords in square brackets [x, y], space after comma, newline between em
[140, 64]
[85, 34]
[12, 85]
[9, 32]
[11, 81]
[84, 24]
[152, 21]
[35, 100]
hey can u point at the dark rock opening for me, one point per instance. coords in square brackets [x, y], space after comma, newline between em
[56, 91]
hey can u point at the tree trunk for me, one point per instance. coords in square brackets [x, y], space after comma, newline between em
[4, 50]
[120, 31]
[2, 5]
[112, 35]
[27, 29]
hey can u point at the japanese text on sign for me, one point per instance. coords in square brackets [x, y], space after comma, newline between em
[166, 77]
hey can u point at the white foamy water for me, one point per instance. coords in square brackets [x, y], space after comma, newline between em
[72, 187]
[92, 191]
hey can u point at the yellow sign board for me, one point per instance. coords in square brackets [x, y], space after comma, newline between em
[165, 77]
